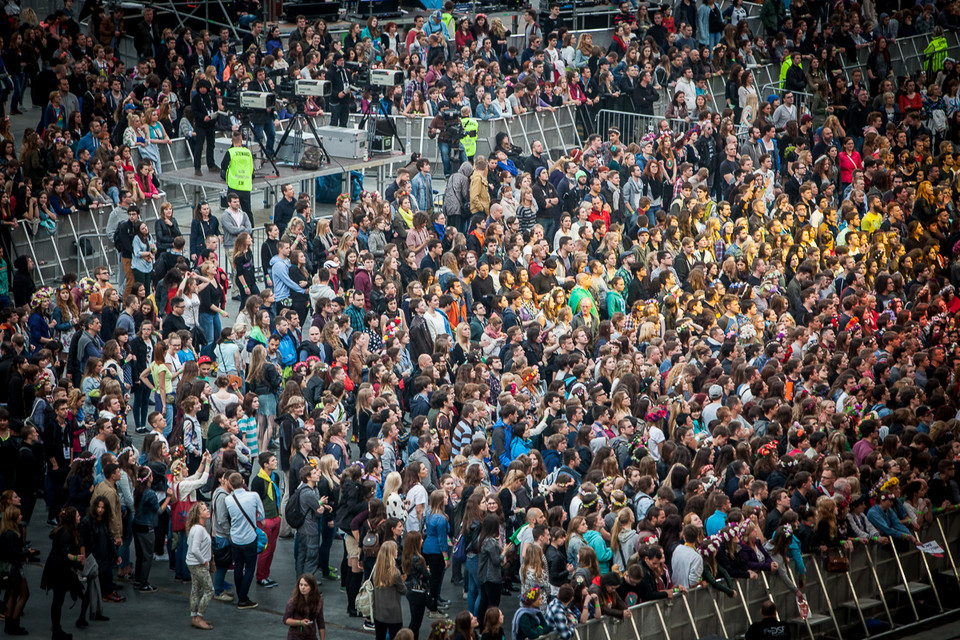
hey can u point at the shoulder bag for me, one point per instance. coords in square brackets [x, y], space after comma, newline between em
[261, 534]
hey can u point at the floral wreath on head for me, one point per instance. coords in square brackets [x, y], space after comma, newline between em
[787, 530]
[588, 499]
[177, 452]
[530, 595]
[768, 449]
[658, 413]
[343, 197]
[618, 502]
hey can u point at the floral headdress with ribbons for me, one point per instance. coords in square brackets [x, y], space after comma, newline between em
[530, 595]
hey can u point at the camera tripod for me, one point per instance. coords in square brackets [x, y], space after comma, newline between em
[247, 131]
[299, 117]
[375, 114]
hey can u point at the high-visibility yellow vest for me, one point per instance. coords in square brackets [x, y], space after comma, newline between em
[469, 141]
[240, 169]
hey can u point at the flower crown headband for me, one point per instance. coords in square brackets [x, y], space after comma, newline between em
[530, 595]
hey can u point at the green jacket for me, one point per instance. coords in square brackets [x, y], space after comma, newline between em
[935, 54]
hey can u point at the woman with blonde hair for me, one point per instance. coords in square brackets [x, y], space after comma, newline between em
[533, 569]
[328, 490]
[392, 498]
[388, 587]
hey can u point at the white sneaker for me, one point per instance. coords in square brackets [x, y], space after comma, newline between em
[161, 558]
[224, 597]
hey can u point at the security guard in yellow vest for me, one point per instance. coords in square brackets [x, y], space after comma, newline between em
[470, 128]
[237, 168]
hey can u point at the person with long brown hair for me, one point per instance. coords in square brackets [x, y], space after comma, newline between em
[61, 570]
[414, 566]
[304, 611]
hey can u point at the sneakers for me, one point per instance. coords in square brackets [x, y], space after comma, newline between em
[443, 603]
[268, 583]
[369, 626]
[435, 615]
[198, 173]
[161, 558]
[143, 429]
[224, 597]
[147, 588]
[114, 597]
[331, 574]
[247, 604]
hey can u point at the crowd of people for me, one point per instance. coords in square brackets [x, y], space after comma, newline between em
[588, 379]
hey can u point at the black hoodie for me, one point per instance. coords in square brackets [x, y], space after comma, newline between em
[23, 286]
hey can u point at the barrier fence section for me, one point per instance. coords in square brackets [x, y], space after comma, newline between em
[883, 588]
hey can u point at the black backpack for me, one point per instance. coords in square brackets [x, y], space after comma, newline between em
[293, 512]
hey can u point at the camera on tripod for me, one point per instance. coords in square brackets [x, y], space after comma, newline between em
[452, 125]
[236, 99]
[298, 90]
[367, 79]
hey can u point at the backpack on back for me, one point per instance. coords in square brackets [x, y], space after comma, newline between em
[293, 511]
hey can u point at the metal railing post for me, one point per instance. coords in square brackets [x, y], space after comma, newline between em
[903, 577]
[946, 546]
[876, 578]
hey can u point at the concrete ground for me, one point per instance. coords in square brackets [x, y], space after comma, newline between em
[166, 613]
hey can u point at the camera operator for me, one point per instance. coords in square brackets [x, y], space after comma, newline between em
[447, 128]
[263, 121]
[340, 96]
[205, 121]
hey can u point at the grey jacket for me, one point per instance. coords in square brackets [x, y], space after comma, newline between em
[490, 561]
[387, 605]
[231, 229]
[457, 193]
[309, 503]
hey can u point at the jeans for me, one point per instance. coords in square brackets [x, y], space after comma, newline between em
[127, 538]
[270, 129]
[326, 542]
[418, 603]
[445, 151]
[244, 566]
[271, 527]
[220, 583]
[180, 569]
[470, 580]
[386, 629]
[210, 325]
[141, 405]
[18, 83]
[308, 553]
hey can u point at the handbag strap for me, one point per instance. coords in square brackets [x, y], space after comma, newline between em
[239, 506]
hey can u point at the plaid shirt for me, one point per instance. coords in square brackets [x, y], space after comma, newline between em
[561, 620]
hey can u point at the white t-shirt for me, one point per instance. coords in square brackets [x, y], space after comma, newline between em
[654, 438]
[417, 495]
[435, 324]
[191, 310]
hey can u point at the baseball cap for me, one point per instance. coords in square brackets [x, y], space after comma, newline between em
[204, 360]
[715, 391]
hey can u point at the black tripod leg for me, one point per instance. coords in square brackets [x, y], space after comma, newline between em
[316, 136]
[263, 147]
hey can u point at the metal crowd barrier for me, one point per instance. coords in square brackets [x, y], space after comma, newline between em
[884, 588]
